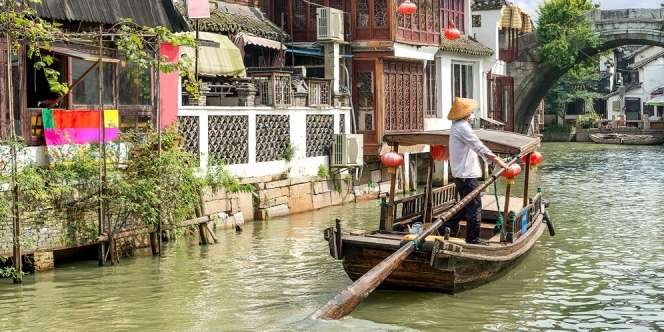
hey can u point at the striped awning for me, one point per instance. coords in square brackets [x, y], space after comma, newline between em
[515, 18]
[222, 60]
[250, 39]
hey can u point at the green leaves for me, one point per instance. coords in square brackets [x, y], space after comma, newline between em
[565, 32]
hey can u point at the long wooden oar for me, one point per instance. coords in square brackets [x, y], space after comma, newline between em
[346, 301]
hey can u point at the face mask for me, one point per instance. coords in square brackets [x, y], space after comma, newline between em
[471, 118]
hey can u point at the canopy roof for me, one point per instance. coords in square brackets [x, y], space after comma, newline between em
[223, 60]
[498, 141]
[144, 12]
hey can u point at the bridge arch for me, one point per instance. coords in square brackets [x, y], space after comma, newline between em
[533, 79]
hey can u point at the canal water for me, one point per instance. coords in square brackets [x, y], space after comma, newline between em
[604, 269]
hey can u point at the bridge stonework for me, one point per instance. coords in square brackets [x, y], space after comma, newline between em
[533, 79]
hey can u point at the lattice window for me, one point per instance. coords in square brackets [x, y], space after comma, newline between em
[189, 129]
[342, 123]
[319, 92]
[299, 15]
[320, 132]
[380, 13]
[228, 139]
[452, 12]
[404, 93]
[365, 95]
[432, 110]
[272, 137]
[362, 13]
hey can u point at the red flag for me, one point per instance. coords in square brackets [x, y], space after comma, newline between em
[198, 8]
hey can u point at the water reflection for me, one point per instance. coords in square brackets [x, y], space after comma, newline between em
[604, 270]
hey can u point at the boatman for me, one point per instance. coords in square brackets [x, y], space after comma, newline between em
[465, 150]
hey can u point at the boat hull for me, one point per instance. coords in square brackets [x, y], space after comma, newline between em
[449, 272]
[625, 139]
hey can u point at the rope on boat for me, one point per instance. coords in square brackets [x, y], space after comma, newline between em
[499, 220]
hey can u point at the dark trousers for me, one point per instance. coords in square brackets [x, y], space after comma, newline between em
[472, 213]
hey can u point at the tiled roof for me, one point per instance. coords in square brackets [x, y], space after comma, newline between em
[145, 12]
[467, 46]
[488, 4]
[640, 64]
[234, 18]
[628, 88]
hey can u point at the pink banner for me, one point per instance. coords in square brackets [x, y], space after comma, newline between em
[198, 8]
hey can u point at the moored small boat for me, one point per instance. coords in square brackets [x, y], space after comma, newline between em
[445, 262]
[627, 139]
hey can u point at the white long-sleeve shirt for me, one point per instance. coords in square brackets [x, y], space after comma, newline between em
[464, 150]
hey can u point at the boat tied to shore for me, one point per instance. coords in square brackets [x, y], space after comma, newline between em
[393, 257]
[627, 139]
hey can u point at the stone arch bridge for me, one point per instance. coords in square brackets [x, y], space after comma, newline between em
[532, 78]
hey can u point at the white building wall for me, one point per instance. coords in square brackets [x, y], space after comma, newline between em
[652, 77]
[299, 166]
[444, 62]
[487, 34]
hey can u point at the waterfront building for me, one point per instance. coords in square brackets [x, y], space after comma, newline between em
[637, 79]
[499, 24]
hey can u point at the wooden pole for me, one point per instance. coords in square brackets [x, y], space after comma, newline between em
[16, 225]
[346, 301]
[102, 152]
[428, 208]
[526, 181]
[507, 228]
[158, 123]
[390, 208]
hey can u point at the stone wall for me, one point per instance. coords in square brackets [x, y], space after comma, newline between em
[276, 197]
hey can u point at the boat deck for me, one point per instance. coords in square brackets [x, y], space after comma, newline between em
[489, 208]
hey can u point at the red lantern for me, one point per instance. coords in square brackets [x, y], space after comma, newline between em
[407, 8]
[511, 172]
[439, 152]
[452, 33]
[536, 158]
[392, 160]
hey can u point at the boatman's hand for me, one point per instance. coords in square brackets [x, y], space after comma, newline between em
[499, 161]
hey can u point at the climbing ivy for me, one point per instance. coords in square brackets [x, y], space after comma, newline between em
[19, 22]
[564, 32]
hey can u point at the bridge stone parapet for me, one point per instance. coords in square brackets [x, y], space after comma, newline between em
[616, 28]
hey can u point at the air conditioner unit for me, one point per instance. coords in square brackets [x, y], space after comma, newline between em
[347, 150]
[330, 24]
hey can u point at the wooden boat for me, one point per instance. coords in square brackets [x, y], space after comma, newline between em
[627, 139]
[446, 263]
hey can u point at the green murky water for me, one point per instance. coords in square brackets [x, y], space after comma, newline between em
[604, 270]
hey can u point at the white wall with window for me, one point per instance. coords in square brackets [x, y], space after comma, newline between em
[458, 76]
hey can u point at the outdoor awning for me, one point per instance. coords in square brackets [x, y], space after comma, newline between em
[657, 101]
[225, 60]
[515, 18]
[80, 55]
[250, 39]
[315, 52]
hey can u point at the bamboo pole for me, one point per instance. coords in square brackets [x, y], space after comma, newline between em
[102, 152]
[348, 299]
[16, 225]
[158, 122]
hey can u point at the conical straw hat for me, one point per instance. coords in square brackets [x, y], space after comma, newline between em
[461, 108]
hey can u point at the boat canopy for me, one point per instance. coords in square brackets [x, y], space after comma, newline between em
[502, 142]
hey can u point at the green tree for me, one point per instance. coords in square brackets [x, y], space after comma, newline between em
[564, 32]
[579, 83]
